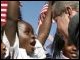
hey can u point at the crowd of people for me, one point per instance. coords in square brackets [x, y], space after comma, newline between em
[18, 40]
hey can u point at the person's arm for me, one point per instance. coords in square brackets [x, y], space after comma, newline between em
[12, 17]
[45, 27]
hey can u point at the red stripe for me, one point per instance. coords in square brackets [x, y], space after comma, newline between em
[4, 7]
[4, 2]
[3, 12]
[3, 24]
[4, 17]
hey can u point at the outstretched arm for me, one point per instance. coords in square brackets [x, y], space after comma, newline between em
[46, 25]
[12, 17]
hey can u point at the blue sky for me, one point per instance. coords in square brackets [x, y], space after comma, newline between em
[30, 11]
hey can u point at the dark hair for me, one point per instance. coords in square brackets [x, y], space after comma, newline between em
[24, 22]
[57, 45]
[20, 15]
[74, 30]
[2, 30]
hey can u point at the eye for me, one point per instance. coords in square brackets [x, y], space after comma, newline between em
[26, 32]
[70, 43]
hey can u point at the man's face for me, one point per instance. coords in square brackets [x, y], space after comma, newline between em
[27, 38]
[70, 51]
[63, 20]
[62, 24]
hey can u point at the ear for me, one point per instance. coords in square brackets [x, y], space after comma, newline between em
[69, 10]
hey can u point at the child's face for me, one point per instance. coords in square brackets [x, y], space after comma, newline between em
[70, 51]
[3, 51]
[27, 38]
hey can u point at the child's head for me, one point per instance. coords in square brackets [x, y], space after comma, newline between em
[72, 45]
[68, 48]
[26, 36]
[3, 50]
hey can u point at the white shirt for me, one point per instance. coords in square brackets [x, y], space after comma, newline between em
[8, 47]
[39, 52]
[48, 45]
[61, 56]
[20, 53]
[15, 48]
[7, 44]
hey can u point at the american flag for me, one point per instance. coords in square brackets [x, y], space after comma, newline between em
[4, 6]
[42, 16]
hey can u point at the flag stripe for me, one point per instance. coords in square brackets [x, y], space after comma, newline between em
[3, 17]
[4, 6]
[3, 2]
[42, 15]
[3, 20]
[3, 12]
[43, 11]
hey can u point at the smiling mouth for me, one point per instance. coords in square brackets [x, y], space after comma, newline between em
[74, 55]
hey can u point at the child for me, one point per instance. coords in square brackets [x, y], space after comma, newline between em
[3, 50]
[29, 46]
[64, 49]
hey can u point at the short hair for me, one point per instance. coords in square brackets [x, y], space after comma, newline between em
[59, 6]
[24, 22]
[20, 22]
